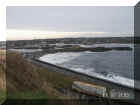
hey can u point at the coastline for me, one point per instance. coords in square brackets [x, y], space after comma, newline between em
[97, 81]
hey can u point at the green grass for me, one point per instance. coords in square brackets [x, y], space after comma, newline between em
[28, 95]
[2, 96]
[29, 81]
[2, 78]
[56, 79]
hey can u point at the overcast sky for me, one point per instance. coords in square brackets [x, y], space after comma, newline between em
[72, 19]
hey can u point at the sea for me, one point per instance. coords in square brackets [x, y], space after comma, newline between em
[114, 66]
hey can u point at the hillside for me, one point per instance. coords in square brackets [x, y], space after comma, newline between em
[2, 69]
[23, 77]
[2, 75]
[25, 80]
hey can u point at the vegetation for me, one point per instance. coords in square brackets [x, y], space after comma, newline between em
[2, 96]
[2, 76]
[29, 81]
[26, 81]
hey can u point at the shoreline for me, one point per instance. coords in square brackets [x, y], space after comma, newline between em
[97, 81]
[76, 73]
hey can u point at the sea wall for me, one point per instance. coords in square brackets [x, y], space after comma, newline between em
[82, 76]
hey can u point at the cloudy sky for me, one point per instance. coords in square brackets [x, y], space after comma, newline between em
[68, 21]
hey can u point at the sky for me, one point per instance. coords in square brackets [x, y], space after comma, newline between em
[30, 22]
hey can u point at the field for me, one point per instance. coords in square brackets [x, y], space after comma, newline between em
[2, 76]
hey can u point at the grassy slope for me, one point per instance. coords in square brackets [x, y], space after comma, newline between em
[28, 81]
[23, 80]
[2, 76]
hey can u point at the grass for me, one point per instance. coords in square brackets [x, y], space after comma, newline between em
[2, 51]
[2, 96]
[2, 76]
[27, 81]
[28, 95]
[56, 79]
[2, 54]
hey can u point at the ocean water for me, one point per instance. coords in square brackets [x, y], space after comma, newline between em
[114, 66]
[26, 50]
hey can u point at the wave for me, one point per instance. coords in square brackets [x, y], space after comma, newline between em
[108, 45]
[26, 50]
[111, 77]
[59, 58]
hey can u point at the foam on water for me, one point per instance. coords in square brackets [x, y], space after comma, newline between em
[59, 58]
[108, 45]
[109, 77]
[26, 50]
[66, 60]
